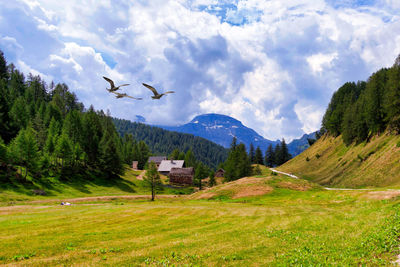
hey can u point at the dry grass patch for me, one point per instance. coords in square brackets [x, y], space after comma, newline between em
[294, 186]
[382, 195]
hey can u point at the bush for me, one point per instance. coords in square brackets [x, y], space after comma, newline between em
[317, 156]
[307, 159]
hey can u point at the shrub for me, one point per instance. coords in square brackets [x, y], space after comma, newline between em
[307, 159]
[317, 156]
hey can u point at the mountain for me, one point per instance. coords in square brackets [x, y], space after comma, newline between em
[221, 129]
[299, 145]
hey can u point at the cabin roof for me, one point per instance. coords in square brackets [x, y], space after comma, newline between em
[156, 159]
[187, 171]
[167, 165]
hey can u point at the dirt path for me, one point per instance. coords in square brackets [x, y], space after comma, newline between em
[326, 188]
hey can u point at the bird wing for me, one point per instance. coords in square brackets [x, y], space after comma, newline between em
[137, 98]
[151, 88]
[124, 84]
[169, 92]
[110, 81]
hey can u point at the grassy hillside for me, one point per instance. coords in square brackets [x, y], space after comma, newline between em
[128, 184]
[369, 164]
[256, 186]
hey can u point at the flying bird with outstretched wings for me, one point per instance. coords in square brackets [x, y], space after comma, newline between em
[156, 94]
[113, 87]
[121, 95]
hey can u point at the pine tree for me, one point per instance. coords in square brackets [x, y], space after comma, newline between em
[190, 160]
[200, 173]
[64, 149]
[3, 66]
[252, 154]
[212, 181]
[174, 154]
[258, 157]
[152, 177]
[143, 154]
[27, 149]
[270, 156]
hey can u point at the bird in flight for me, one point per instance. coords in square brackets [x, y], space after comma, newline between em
[113, 88]
[156, 94]
[119, 95]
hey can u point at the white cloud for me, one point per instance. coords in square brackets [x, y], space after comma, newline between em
[275, 72]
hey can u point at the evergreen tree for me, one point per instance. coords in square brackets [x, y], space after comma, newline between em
[252, 154]
[143, 154]
[3, 66]
[26, 149]
[392, 98]
[212, 181]
[258, 157]
[152, 177]
[64, 149]
[270, 156]
[190, 160]
[174, 154]
[277, 155]
[7, 131]
[200, 173]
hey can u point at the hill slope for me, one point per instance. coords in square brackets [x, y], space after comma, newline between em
[330, 162]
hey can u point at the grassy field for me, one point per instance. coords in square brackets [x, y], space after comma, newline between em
[369, 164]
[287, 225]
[128, 184]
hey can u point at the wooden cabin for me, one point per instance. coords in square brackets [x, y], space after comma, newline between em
[166, 165]
[219, 173]
[157, 160]
[181, 176]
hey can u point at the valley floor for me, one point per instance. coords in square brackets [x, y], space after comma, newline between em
[284, 227]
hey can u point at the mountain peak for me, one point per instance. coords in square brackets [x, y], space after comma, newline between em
[213, 118]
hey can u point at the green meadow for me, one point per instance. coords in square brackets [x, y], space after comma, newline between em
[288, 225]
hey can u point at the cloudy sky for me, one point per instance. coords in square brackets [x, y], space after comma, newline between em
[271, 64]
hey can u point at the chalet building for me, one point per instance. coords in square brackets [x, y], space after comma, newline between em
[181, 176]
[219, 173]
[135, 165]
[157, 160]
[166, 165]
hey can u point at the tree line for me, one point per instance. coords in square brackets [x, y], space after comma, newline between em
[239, 162]
[358, 111]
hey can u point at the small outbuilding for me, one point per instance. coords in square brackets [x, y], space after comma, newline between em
[157, 160]
[166, 165]
[181, 176]
[135, 165]
[219, 173]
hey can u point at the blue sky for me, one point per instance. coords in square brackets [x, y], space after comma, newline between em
[273, 65]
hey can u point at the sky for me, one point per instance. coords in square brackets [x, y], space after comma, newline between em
[273, 65]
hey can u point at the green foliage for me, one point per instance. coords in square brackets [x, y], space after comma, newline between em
[281, 153]
[152, 178]
[212, 181]
[258, 157]
[317, 156]
[238, 163]
[307, 159]
[201, 172]
[358, 111]
[270, 156]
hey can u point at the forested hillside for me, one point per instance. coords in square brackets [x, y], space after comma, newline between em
[163, 142]
[358, 111]
[361, 145]
[46, 132]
